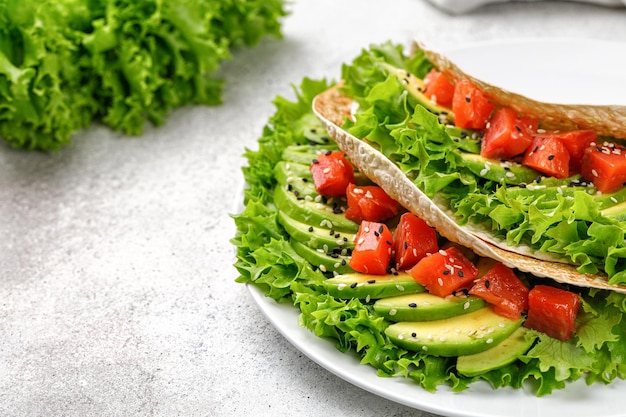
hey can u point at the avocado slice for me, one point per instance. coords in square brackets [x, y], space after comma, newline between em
[305, 154]
[297, 177]
[371, 287]
[466, 334]
[327, 262]
[312, 212]
[426, 307]
[415, 87]
[506, 172]
[502, 354]
[315, 237]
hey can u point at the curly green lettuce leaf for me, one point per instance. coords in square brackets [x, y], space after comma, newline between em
[68, 63]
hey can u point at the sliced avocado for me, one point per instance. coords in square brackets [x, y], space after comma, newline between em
[371, 287]
[502, 354]
[466, 334]
[415, 87]
[297, 177]
[305, 154]
[315, 237]
[326, 261]
[315, 213]
[507, 172]
[426, 307]
[617, 212]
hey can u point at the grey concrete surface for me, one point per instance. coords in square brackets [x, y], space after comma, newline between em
[117, 292]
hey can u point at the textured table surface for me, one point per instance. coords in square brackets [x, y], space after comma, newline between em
[117, 292]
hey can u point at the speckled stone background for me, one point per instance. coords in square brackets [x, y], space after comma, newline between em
[117, 294]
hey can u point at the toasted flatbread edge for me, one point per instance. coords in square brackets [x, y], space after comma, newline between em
[605, 120]
[332, 108]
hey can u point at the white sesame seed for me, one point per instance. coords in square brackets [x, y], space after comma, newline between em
[466, 305]
[490, 340]
[594, 172]
[440, 281]
[393, 312]
[323, 268]
[399, 287]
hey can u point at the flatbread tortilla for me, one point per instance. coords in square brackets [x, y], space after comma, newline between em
[332, 108]
[608, 120]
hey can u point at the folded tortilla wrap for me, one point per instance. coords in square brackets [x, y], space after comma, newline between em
[332, 108]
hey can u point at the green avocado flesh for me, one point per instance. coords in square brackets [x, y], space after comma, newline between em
[311, 212]
[499, 171]
[326, 262]
[466, 334]
[366, 286]
[316, 237]
[425, 307]
[502, 354]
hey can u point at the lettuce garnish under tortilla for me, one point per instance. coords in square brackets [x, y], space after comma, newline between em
[266, 259]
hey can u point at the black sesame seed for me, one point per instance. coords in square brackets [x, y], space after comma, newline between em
[371, 281]
[550, 157]
[460, 273]
[468, 99]
[487, 283]
[381, 229]
[519, 129]
[389, 243]
[446, 271]
[328, 153]
[406, 245]
[305, 180]
[522, 185]
[289, 187]
[337, 210]
[353, 285]
[463, 135]
[376, 233]
[538, 179]
[343, 262]
[412, 305]
[315, 161]
[310, 228]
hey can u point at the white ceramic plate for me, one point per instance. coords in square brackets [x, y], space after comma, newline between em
[545, 70]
